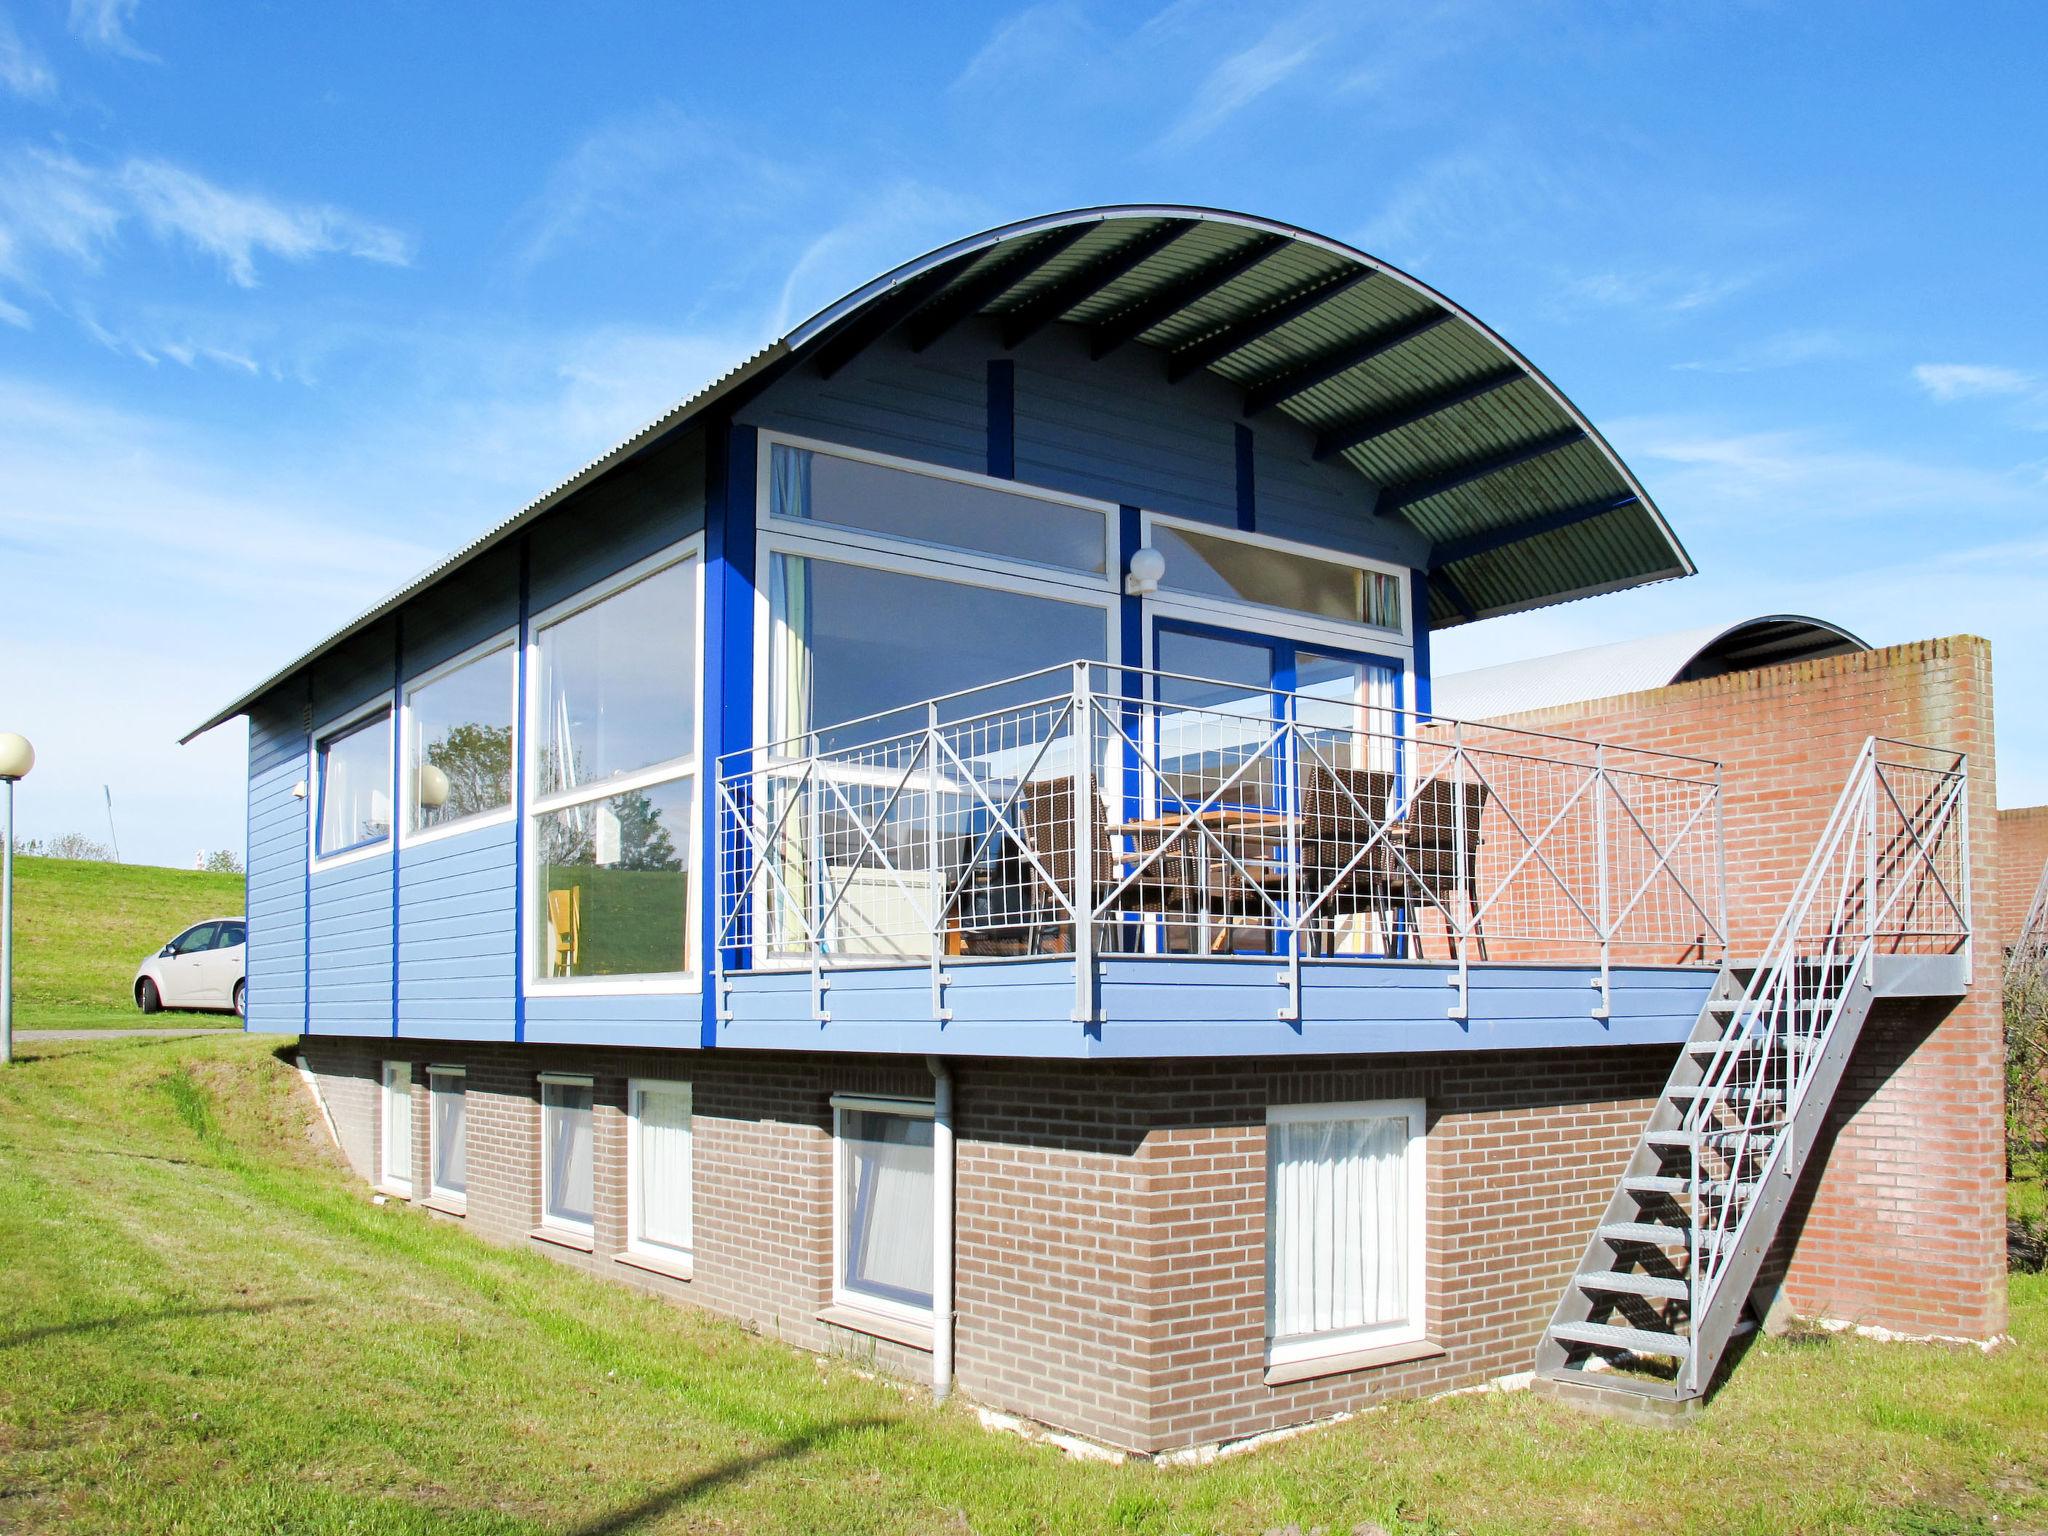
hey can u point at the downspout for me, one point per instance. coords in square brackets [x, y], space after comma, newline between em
[942, 1227]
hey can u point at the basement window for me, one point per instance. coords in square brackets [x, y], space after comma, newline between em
[567, 1195]
[882, 1206]
[1345, 1228]
[395, 1149]
[447, 1156]
[658, 1170]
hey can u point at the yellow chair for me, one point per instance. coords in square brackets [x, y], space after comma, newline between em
[565, 929]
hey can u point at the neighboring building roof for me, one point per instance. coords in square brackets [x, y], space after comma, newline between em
[1525, 502]
[1631, 666]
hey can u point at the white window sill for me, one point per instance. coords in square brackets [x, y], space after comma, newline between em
[562, 1237]
[894, 1329]
[673, 1267]
[396, 1192]
[447, 1205]
[1353, 1360]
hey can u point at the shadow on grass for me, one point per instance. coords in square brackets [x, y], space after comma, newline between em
[658, 1504]
[143, 1319]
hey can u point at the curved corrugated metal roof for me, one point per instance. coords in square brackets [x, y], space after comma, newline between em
[1634, 666]
[1458, 434]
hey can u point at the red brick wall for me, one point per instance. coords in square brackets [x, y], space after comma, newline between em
[2022, 854]
[1903, 1221]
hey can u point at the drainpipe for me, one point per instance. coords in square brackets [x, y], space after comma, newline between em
[942, 1227]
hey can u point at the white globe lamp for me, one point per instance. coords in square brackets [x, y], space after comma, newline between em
[16, 758]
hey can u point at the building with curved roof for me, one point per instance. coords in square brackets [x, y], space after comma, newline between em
[1631, 666]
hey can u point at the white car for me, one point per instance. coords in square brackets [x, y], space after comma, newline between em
[201, 968]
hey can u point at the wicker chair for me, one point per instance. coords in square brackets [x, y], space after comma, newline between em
[1443, 865]
[1341, 810]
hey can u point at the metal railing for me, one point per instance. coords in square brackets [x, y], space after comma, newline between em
[1890, 876]
[2026, 963]
[1104, 810]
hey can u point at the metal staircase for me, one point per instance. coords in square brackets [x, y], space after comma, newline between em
[2027, 961]
[1666, 1279]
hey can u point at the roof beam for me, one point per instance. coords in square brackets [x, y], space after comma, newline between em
[1398, 498]
[1441, 581]
[1267, 393]
[1240, 334]
[1406, 413]
[882, 315]
[1077, 287]
[991, 282]
[1450, 551]
[1175, 297]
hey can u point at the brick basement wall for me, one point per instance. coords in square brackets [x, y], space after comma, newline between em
[1902, 1223]
[2022, 854]
[1110, 1262]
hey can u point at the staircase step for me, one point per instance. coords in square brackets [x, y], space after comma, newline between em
[1666, 1287]
[1654, 1233]
[1656, 1184]
[1692, 1138]
[1637, 1341]
[1733, 1095]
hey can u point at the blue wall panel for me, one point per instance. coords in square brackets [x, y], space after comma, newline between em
[351, 960]
[457, 905]
[276, 864]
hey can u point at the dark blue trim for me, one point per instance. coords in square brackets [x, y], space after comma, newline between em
[519, 871]
[1247, 482]
[731, 470]
[1449, 551]
[1418, 630]
[397, 792]
[1002, 418]
[312, 805]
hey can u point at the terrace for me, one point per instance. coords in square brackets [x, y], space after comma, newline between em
[1106, 861]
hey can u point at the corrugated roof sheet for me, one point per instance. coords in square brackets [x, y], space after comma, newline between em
[1091, 266]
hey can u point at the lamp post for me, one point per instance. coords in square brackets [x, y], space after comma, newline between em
[16, 758]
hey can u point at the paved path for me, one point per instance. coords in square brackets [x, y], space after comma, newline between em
[116, 1034]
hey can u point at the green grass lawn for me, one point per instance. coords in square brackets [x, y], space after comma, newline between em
[205, 1326]
[82, 927]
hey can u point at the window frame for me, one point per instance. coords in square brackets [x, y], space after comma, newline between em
[1242, 614]
[397, 1184]
[408, 726]
[638, 1243]
[530, 807]
[436, 1190]
[552, 1222]
[346, 724]
[842, 1294]
[1299, 1348]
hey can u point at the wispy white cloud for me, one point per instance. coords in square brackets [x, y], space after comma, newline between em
[238, 226]
[1961, 381]
[103, 24]
[1787, 349]
[882, 229]
[1666, 291]
[1242, 77]
[22, 69]
[1054, 35]
[1462, 198]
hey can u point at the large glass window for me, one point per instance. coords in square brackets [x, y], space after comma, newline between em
[616, 805]
[1237, 570]
[460, 746]
[884, 1194]
[447, 1155]
[1344, 1228]
[355, 786]
[854, 640]
[396, 1152]
[658, 1191]
[935, 509]
[567, 1195]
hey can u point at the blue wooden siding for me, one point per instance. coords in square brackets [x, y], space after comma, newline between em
[622, 519]
[352, 947]
[276, 864]
[458, 899]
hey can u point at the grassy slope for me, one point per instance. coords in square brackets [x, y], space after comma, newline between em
[81, 928]
[284, 1355]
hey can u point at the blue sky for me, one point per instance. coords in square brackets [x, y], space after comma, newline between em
[293, 299]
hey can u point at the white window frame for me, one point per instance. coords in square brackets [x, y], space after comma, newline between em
[637, 1241]
[436, 1078]
[1414, 1328]
[864, 1301]
[399, 1183]
[535, 981]
[316, 777]
[1110, 579]
[552, 1222]
[1263, 619]
[408, 724]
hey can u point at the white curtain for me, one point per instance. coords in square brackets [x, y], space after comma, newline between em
[1340, 1224]
[662, 1162]
[565, 1125]
[889, 1199]
[451, 1164]
[398, 1123]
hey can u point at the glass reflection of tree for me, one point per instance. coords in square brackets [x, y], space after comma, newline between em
[477, 760]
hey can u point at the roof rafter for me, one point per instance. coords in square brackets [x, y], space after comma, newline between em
[1398, 498]
[989, 283]
[1441, 581]
[1077, 287]
[1239, 334]
[1450, 551]
[866, 326]
[1131, 323]
[1267, 393]
[1406, 413]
